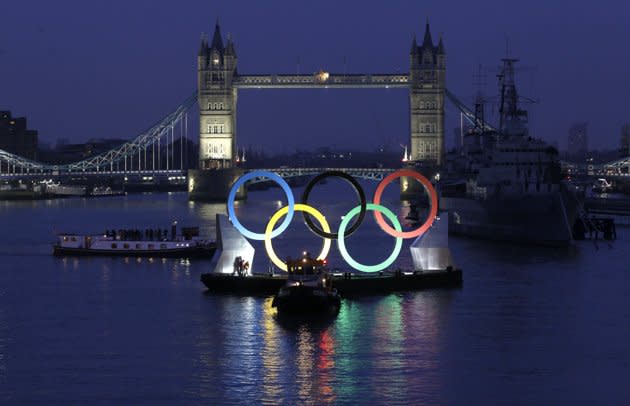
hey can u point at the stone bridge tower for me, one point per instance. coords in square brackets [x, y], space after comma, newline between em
[216, 67]
[427, 75]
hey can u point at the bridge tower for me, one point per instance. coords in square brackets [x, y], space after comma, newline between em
[427, 76]
[216, 67]
[216, 71]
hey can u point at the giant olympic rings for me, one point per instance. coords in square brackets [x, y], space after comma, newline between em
[259, 174]
[343, 231]
[283, 211]
[432, 197]
[357, 188]
[341, 242]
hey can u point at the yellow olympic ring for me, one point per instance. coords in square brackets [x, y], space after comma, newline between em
[282, 212]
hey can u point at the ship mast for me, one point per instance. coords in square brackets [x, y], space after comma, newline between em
[512, 119]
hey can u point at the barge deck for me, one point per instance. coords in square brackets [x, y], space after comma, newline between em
[346, 284]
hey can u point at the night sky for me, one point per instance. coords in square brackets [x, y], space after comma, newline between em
[92, 69]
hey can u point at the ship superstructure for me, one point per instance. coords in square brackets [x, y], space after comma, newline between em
[509, 185]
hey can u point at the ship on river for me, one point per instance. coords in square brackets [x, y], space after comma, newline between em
[508, 185]
[136, 243]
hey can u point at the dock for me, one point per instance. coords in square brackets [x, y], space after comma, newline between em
[347, 284]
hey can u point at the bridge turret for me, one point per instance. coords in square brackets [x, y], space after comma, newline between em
[230, 57]
[202, 56]
[413, 54]
[428, 50]
[217, 41]
[440, 49]
[427, 41]
[426, 99]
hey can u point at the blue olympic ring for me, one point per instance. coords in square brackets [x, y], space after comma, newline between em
[287, 191]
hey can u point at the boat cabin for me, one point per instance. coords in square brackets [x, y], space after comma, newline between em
[305, 265]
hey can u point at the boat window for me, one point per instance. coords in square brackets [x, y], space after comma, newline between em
[138, 245]
[65, 238]
[151, 246]
[114, 245]
[125, 245]
[163, 246]
[74, 238]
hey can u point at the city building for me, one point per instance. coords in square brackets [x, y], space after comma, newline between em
[577, 141]
[15, 137]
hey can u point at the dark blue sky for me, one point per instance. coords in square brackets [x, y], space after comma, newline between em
[84, 69]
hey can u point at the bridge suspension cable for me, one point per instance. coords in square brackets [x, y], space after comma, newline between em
[468, 114]
[125, 154]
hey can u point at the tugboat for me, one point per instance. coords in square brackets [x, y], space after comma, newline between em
[137, 243]
[308, 289]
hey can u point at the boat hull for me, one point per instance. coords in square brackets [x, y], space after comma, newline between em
[347, 286]
[531, 219]
[306, 300]
[186, 252]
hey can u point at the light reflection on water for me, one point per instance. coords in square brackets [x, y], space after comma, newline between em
[3, 342]
[528, 323]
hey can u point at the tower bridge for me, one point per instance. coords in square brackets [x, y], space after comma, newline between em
[219, 82]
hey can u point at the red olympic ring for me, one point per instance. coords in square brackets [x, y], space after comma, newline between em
[432, 197]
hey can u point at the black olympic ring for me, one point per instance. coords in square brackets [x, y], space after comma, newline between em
[358, 189]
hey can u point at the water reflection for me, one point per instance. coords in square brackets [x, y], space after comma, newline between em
[326, 366]
[387, 340]
[3, 339]
[309, 359]
[208, 213]
[270, 355]
[388, 347]
[106, 275]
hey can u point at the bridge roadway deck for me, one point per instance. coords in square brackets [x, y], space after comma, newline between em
[312, 81]
[57, 174]
[362, 173]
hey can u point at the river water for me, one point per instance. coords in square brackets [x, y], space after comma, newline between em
[529, 326]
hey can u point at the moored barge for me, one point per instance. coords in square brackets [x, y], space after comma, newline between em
[348, 284]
